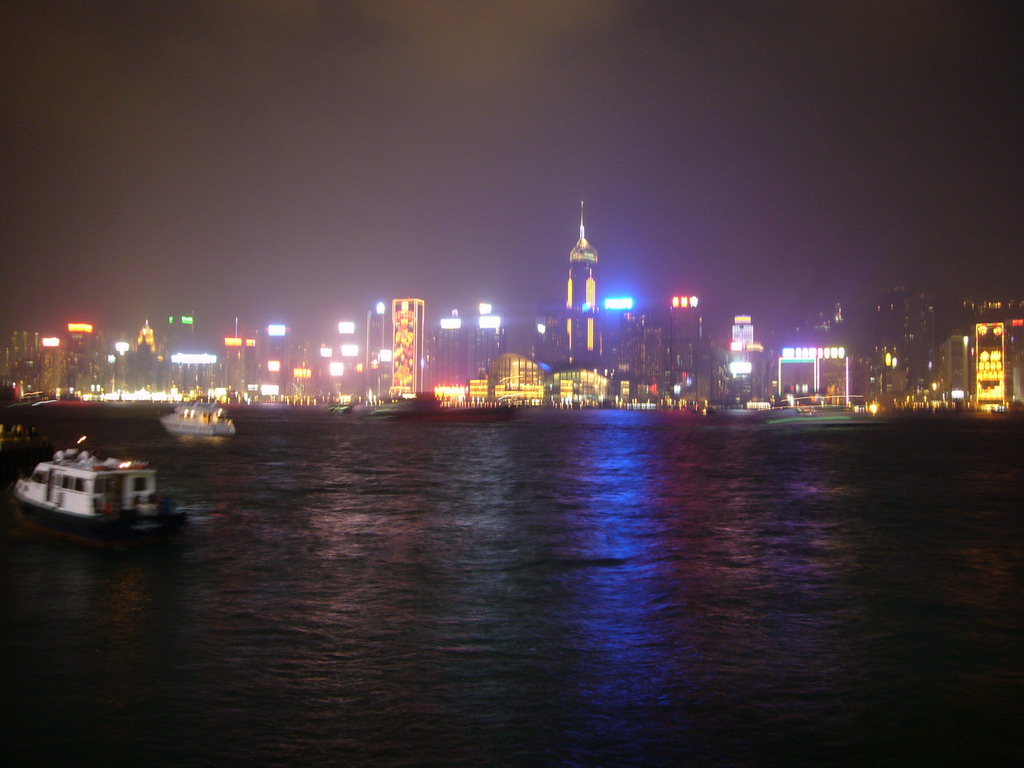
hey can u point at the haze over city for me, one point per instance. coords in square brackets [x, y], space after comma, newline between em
[295, 162]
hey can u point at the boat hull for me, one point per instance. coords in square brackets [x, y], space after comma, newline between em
[183, 427]
[446, 415]
[100, 530]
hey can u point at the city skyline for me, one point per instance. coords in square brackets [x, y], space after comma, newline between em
[294, 162]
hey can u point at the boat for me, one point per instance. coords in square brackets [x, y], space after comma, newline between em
[430, 409]
[204, 419]
[104, 502]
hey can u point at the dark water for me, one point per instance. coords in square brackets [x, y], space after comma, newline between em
[583, 589]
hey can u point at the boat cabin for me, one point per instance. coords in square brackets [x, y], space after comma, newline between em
[83, 487]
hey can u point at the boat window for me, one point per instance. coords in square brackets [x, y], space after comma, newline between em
[140, 483]
[39, 477]
[69, 482]
[79, 483]
[100, 486]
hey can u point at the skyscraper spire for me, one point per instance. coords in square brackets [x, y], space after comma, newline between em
[581, 221]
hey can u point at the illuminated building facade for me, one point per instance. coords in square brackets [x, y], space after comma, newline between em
[488, 341]
[814, 373]
[689, 355]
[145, 368]
[905, 330]
[180, 335]
[584, 345]
[642, 356]
[990, 370]
[448, 363]
[83, 358]
[407, 318]
[377, 360]
[240, 367]
[516, 379]
[744, 383]
[275, 362]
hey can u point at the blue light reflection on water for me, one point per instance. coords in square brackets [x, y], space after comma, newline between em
[601, 588]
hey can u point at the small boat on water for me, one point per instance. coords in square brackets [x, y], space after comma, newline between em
[104, 502]
[430, 409]
[818, 414]
[204, 419]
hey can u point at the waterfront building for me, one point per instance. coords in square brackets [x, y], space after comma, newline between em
[689, 375]
[239, 367]
[378, 352]
[953, 366]
[516, 379]
[642, 356]
[448, 360]
[488, 341]
[275, 361]
[990, 369]
[407, 317]
[905, 331]
[811, 373]
[84, 359]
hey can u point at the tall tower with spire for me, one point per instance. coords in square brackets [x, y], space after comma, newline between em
[581, 301]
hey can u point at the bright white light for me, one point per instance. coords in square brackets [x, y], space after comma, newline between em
[381, 309]
[385, 356]
[451, 323]
[121, 347]
[350, 350]
[485, 309]
[490, 321]
[346, 326]
[326, 352]
[276, 330]
[740, 368]
[337, 368]
[270, 389]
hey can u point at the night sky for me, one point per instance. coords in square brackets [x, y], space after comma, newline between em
[297, 161]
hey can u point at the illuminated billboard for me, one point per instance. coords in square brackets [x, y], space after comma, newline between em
[276, 330]
[407, 345]
[621, 304]
[79, 328]
[183, 358]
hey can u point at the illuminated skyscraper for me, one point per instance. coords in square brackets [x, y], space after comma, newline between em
[377, 361]
[488, 342]
[449, 353]
[407, 316]
[581, 301]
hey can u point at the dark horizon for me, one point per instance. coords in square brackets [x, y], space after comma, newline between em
[296, 162]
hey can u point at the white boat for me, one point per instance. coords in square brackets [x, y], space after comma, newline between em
[105, 502]
[204, 419]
